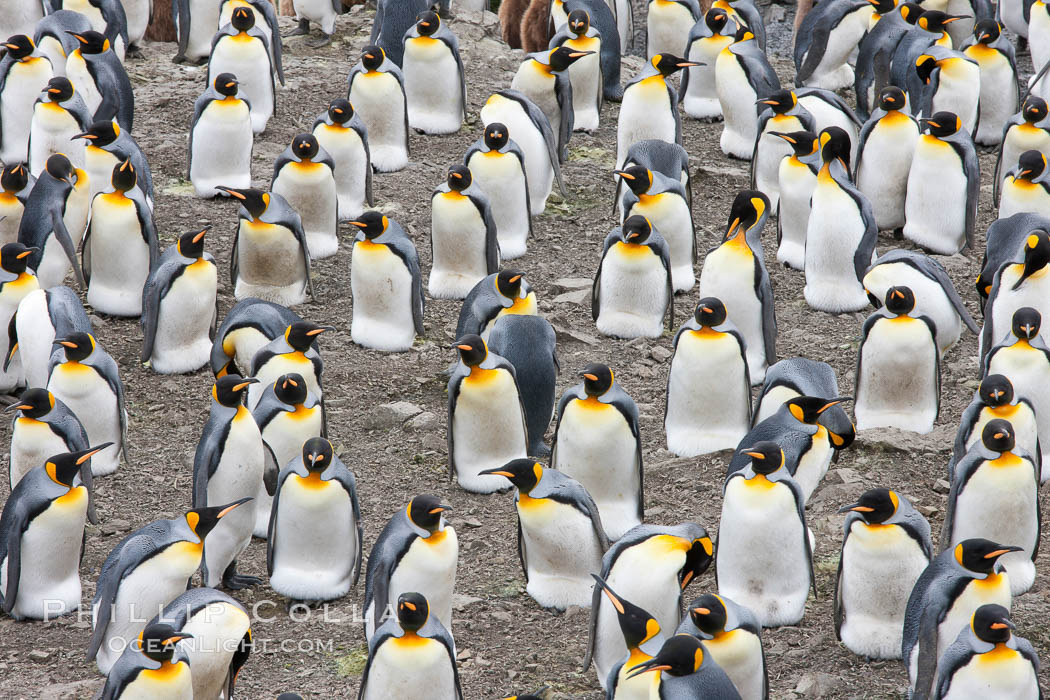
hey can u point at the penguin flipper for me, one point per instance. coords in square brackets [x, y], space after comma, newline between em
[13, 554]
[276, 483]
[813, 52]
[523, 557]
[12, 340]
[927, 662]
[453, 394]
[62, 234]
[838, 611]
[355, 509]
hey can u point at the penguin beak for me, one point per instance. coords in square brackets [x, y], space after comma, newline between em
[358, 224]
[829, 404]
[647, 667]
[176, 638]
[765, 101]
[856, 508]
[702, 611]
[229, 509]
[26, 253]
[580, 54]
[314, 332]
[497, 472]
[65, 343]
[787, 138]
[632, 235]
[424, 24]
[200, 236]
[687, 64]
[245, 383]
[1003, 624]
[616, 603]
[17, 407]
[587, 375]
[86, 135]
[1004, 550]
[232, 192]
[755, 455]
[954, 18]
[85, 456]
[439, 509]
[624, 175]
[464, 348]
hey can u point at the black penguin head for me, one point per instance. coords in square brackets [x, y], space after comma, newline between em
[1034, 109]
[158, 641]
[496, 136]
[59, 167]
[834, 144]
[191, 245]
[803, 143]
[78, 346]
[668, 64]
[427, 23]
[637, 625]
[808, 408]
[991, 623]
[911, 12]
[1036, 248]
[305, 146]
[317, 454]
[876, 506]
[681, 655]
[637, 177]
[427, 512]
[597, 379]
[998, 435]
[1025, 323]
[59, 89]
[413, 611]
[936, 21]
[943, 124]
[980, 555]
[301, 335]
[891, 98]
[63, 468]
[472, 350]
[698, 559]
[19, 46]
[579, 22]
[1031, 165]
[523, 473]
[637, 229]
[226, 84]
[459, 178]
[124, 176]
[203, 520]
[371, 223]
[900, 300]
[710, 312]
[242, 19]
[766, 456]
[14, 257]
[749, 207]
[986, 31]
[372, 57]
[996, 390]
[781, 101]
[101, 133]
[508, 283]
[708, 613]
[340, 111]
[883, 6]
[14, 178]
[743, 34]
[290, 389]
[562, 57]
[91, 42]
[33, 403]
[229, 389]
[924, 67]
[716, 19]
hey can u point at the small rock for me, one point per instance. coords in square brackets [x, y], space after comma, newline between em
[817, 685]
[502, 616]
[391, 415]
[941, 486]
[39, 655]
[660, 353]
[464, 655]
[568, 335]
[422, 422]
[112, 527]
[472, 523]
[568, 284]
[462, 602]
[928, 511]
[77, 690]
[846, 475]
[580, 296]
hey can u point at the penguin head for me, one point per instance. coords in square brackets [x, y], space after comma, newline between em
[716, 19]
[681, 655]
[77, 346]
[496, 136]
[413, 611]
[637, 177]
[708, 613]
[191, 245]
[987, 31]
[508, 284]
[226, 84]
[372, 223]
[340, 111]
[540, 694]
[980, 555]
[991, 623]
[33, 403]
[1031, 165]
[158, 641]
[1034, 109]
[900, 300]
[91, 42]
[372, 57]
[305, 147]
[1025, 323]
[743, 34]
[203, 520]
[14, 178]
[766, 457]
[637, 625]
[749, 208]
[579, 22]
[698, 558]
[803, 143]
[427, 23]
[924, 67]
[472, 350]
[14, 257]
[229, 389]
[910, 12]
[1036, 245]
[883, 6]
[891, 98]
[996, 390]
[124, 176]
[317, 454]
[943, 124]
[290, 389]
[710, 312]
[59, 89]
[428, 513]
[637, 229]
[936, 21]
[523, 473]
[562, 57]
[597, 379]
[998, 435]
[808, 409]
[875, 506]
[59, 167]
[19, 46]
[63, 468]
[100, 133]
[669, 64]
[834, 144]
[242, 19]
[781, 101]
[301, 335]
[459, 178]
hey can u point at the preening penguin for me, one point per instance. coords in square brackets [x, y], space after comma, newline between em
[796, 180]
[59, 115]
[15, 283]
[98, 75]
[887, 144]
[560, 536]
[543, 78]
[732, 636]
[386, 285]
[54, 221]
[342, 133]
[486, 417]
[16, 183]
[315, 537]
[249, 325]
[708, 406]
[295, 350]
[706, 40]
[53, 36]
[377, 92]
[497, 164]
[643, 637]
[499, 294]
[781, 114]
[179, 307]
[585, 74]
[43, 426]
[742, 77]
[1000, 92]
[1005, 243]
[993, 399]
[885, 548]
[221, 138]
[1025, 283]
[417, 551]
[686, 671]
[304, 174]
[241, 48]
[1026, 187]
[464, 246]
[435, 84]
[42, 316]
[667, 25]
[158, 667]
[826, 38]
[22, 78]
[597, 442]
[649, 108]
[950, 83]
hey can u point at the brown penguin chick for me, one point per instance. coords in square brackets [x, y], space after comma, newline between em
[510, 16]
[535, 26]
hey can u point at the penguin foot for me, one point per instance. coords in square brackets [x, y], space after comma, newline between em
[178, 58]
[302, 30]
[236, 582]
[324, 40]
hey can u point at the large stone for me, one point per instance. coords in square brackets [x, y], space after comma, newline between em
[817, 685]
[391, 415]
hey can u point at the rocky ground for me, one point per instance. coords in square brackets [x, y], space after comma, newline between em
[506, 642]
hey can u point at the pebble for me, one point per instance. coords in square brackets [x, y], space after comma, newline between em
[422, 422]
[391, 415]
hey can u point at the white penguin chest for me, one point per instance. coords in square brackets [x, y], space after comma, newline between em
[239, 470]
[288, 430]
[50, 557]
[458, 233]
[999, 502]
[880, 564]
[50, 118]
[315, 528]
[168, 681]
[411, 666]
[217, 630]
[32, 442]
[380, 101]
[1000, 674]
[431, 74]
[265, 253]
[380, 282]
[993, 589]
[83, 83]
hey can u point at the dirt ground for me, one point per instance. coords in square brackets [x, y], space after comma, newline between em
[507, 643]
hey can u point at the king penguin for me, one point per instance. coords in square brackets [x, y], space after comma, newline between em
[1000, 94]
[15, 283]
[706, 40]
[796, 180]
[1027, 130]
[743, 76]
[108, 145]
[887, 144]
[585, 74]
[435, 83]
[632, 289]
[799, 376]
[950, 82]
[500, 294]
[16, 184]
[826, 38]
[1026, 186]
[1017, 285]
[42, 316]
[732, 636]
[993, 399]
[643, 637]
[156, 667]
[667, 25]
[686, 671]
[53, 36]
[221, 138]
[294, 350]
[1004, 245]
[43, 426]
[54, 221]
[782, 113]
[463, 237]
[497, 164]
[543, 78]
[241, 49]
[658, 156]
[247, 327]
[377, 92]
[342, 133]
[23, 76]
[59, 115]
[649, 109]
[98, 75]
[875, 52]
[304, 174]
